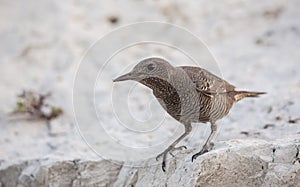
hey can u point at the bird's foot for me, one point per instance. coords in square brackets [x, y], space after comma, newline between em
[206, 148]
[164, 155]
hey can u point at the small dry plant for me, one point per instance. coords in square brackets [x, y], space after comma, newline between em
[33, 104]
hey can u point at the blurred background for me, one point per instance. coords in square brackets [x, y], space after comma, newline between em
[254, 43]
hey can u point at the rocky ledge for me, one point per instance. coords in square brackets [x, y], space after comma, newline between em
[232, 163]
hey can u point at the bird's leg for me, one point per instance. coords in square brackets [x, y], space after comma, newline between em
[208, 144]
[188, 129]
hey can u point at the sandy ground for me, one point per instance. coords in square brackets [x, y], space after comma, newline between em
[255, 44]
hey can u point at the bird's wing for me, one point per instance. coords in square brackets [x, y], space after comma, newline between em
[206, 82]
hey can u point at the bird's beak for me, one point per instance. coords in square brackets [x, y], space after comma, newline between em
[125, 77]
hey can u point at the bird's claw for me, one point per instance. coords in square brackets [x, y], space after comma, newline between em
[194, 157]
[163, 166]
[205, 149]
[158, 156]
[164, 154]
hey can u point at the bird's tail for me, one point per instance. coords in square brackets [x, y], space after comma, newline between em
[242, 94]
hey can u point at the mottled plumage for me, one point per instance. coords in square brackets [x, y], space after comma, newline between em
[188, 94]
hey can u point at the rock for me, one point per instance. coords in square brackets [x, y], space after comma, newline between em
[232, 163]
[60, 173]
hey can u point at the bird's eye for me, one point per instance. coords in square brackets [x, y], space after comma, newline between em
[151, 67]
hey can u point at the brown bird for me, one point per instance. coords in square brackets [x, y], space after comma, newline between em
[188, 94]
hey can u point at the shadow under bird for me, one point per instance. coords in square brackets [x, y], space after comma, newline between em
[188, 94]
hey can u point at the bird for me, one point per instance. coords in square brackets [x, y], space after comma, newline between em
[188, 94]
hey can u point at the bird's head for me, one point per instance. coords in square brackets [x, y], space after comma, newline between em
[148, 68]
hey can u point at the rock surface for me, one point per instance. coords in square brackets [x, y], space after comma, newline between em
[233, 163]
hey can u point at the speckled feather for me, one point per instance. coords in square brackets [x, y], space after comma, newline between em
[206, 81]
[166, 95]
[214, 94]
